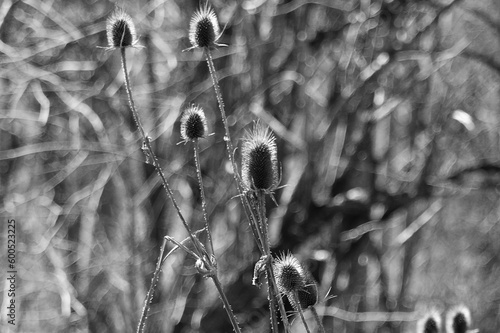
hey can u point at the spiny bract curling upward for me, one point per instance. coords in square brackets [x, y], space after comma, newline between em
[204, 28]
[259, 160]
[294, 281]
[458, 319]
[193, 124]
[120, 30]
[430, 323]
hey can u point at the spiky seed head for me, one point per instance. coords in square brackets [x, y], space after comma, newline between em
[458, 319]
[308, 295]
[204, 28]
[289, 274]
[259, 159]
[430, 323]
[120, 30]
[193, 124]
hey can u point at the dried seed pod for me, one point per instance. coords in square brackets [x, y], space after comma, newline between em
[193, 124]
[120, 30]
[430, 323]
[458, 319]
[289, 274]
[295, 282]
[204, 28]
[259, 160]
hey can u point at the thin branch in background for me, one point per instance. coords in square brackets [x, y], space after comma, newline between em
[419, 222]
[359, 317]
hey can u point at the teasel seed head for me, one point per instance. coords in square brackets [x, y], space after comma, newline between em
[294, 281]
[430, 323]
[458, 319]
[193, 124]
[204, 28]
[259, 160]
[120, 30]
[290, 275]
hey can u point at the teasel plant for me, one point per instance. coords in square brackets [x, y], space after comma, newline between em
[204, 33]
[121, 34]
[297, 284]
[430, 322]
[459, 320]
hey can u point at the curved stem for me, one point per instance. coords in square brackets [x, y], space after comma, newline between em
[318, 320]
[299, 309]
[274, 294]
[227, 306]
[247, 208]
[260, 234]
[152, 287]
[151, 153]
[202, 194]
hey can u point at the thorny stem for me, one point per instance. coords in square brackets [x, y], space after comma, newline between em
[318, 320]
[227, 306]
[230, 150]
[273, 288]
[202, 194]
[151, 153]
[152, 287]
[220, 101]
[261, 239]
[169, 192]
[299, 309]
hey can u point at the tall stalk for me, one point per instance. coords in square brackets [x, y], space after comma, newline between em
[199, 251]
[301, 312]
[260, 232]
[230, 151]
[149, 149]
[202, 195]
[318, 320]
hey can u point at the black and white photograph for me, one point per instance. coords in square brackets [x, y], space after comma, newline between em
[250, 166]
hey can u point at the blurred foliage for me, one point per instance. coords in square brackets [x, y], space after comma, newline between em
[386, 114]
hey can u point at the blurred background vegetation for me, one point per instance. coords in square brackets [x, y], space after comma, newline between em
[387, 119]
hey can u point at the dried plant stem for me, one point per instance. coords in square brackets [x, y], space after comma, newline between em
[227, 306]
[170, 195]
[271, 280]
[202, 194]
[259, 232]
[299, 310]
[152, 287]
[214, 277]
[318, 320]
[151, 153]
[230, 150]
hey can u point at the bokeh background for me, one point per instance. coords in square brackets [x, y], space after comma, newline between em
[386, 114]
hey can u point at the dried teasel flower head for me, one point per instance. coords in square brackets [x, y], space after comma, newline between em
[295, 282]
[193, 124]
[458, 319]
[204, 28]
[120, 30]
[430, 322]
[259, 159]
[290, 275]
